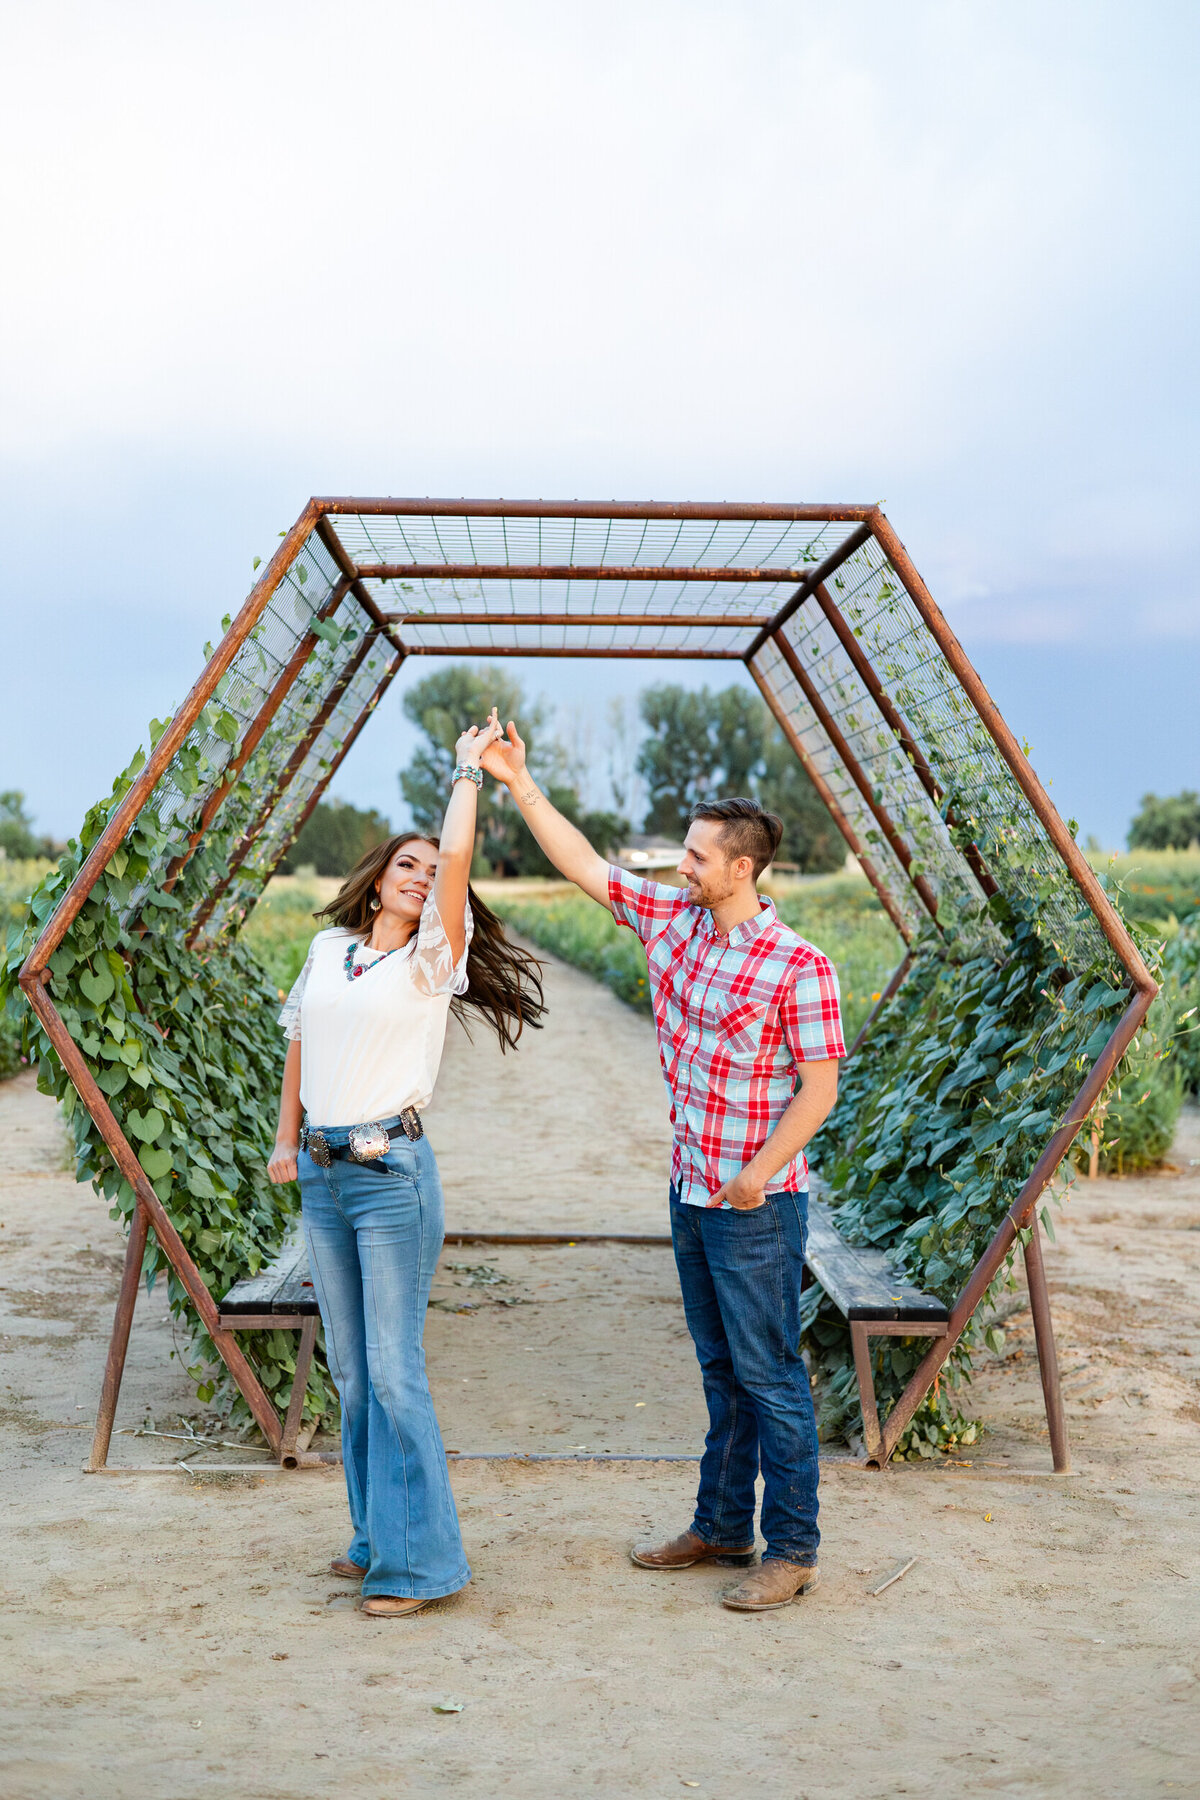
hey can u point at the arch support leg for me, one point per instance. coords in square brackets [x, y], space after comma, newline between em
[1039, 1302]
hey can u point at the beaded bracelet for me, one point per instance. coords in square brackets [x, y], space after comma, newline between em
[464, 772]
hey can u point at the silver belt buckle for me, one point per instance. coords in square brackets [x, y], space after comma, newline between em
[369, 1142]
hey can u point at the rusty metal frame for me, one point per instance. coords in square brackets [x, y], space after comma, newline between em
[867, 523]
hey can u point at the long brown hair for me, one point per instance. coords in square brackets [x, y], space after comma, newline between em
[505, 982]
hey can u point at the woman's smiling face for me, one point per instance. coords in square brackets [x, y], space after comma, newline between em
[407, 882]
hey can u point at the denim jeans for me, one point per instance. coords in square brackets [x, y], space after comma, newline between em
[740, 1274]
[374, 1237]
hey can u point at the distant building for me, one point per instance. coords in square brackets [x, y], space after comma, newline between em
[641, 854]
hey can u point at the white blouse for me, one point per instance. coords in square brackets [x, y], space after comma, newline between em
[373, 1045]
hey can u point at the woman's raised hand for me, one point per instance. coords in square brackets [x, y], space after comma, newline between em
[474, 742]
[504, 757]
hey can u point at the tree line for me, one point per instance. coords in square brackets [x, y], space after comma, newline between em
[697, 744]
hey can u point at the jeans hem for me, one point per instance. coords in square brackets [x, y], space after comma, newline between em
[803, 1559]
[440, 1593]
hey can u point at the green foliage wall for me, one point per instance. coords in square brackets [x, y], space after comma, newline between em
[186, 1047]
[970, 1069]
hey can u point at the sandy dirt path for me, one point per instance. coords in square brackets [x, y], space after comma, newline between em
[164, 1634]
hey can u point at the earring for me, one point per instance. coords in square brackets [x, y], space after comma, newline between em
[375, 904]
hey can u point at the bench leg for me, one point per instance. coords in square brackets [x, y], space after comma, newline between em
[295, 1411]
[872, 1436]
[118, 1343]
[1043, 1330]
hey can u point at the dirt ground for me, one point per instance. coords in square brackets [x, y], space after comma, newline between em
[166, 1633]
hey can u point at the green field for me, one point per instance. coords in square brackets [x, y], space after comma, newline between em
[837, 913]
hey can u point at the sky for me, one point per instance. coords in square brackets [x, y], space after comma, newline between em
[943, 256]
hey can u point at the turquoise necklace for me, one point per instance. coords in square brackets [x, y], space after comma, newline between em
[354, 970]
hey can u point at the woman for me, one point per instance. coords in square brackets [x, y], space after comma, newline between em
[367, 1021]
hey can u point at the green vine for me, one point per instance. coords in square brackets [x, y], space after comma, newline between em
[968, 1071]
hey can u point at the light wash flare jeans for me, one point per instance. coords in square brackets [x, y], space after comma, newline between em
[374, 1238]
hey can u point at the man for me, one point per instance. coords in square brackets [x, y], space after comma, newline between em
[743, 1007]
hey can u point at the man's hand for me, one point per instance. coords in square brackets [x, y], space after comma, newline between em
[504, 757]
[282, 1166]
[743, 1193]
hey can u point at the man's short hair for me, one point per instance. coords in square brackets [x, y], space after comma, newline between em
[747, 829]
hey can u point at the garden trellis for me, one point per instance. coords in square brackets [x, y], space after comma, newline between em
[927, 784]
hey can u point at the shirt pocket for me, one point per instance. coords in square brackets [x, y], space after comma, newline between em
[739, 1029]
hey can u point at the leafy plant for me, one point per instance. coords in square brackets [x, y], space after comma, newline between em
[185, 1046]
[971, 1066]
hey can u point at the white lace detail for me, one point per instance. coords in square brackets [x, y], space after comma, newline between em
[434, 969]
[289, 1016]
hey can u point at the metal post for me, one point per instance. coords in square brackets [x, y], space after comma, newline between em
[316, 725]
[295, 1411]
[118, 1343]
[1043, 1327]
[142, 786]
[904, 737]
[170, 1242]
[835, 812]
[990, 1263]
[857, 775]
[1077, 864]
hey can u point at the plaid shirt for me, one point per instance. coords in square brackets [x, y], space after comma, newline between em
[735, 1015]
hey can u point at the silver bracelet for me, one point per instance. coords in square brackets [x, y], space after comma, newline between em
[464, 772]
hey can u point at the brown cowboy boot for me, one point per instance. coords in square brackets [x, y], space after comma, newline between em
[774, 1583]
[687, 1549]
[391, 1606]
[345, 1569]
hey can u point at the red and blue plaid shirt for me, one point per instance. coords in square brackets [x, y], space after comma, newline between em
[735, 1016]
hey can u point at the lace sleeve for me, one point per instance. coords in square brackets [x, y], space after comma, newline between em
[434, 970]
[289, 1017]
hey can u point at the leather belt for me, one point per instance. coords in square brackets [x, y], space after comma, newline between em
[366, 1143]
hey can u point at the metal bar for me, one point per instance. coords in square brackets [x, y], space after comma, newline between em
[316, 725]
[369, 604]
[69, 906]
[1043, 1331]
[835, 812]
[291, 1425]
[907, 742]
[170, 1242]
[555, 1237]
[735, 621]
[989, 1264]
[856, 773]
[571, 572]
[537, 650]
[872, 1437]
[262, 1321]
[257, 729]
[893, 986]
[1106, 915]
[810, 584]
[586, 509]
[118, 1343]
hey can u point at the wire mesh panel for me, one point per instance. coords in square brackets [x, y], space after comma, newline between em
[961, 753]
[271, 842]
[199, 765]
[789, 696]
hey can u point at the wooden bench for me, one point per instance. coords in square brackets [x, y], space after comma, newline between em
[281, 1298]
[861, 1283]
[875, 1302]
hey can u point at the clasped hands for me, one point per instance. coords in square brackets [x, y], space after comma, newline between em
[491, 747]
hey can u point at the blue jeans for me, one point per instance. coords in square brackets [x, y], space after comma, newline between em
[374, 1238]
[740, 1274]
